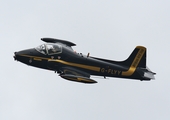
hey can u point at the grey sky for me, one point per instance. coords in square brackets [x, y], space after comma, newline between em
[108, 29]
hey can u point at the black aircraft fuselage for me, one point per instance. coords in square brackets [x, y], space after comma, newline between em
[58, 55]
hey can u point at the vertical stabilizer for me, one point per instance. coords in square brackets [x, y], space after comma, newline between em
[136, 59]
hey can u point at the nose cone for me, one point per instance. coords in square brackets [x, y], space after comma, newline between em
[15, 56]
[32, 57]
[24, 55]
[18, 55]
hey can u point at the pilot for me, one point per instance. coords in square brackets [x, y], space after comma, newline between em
[55, 49]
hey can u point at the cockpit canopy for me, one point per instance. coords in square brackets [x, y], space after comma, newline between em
[49, 49]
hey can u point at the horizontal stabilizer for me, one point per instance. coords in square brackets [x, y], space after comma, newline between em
[147, 74]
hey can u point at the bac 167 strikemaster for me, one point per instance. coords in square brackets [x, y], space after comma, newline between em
[58, 55]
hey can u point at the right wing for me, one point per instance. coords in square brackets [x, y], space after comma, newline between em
[76, 78]
[72, 74]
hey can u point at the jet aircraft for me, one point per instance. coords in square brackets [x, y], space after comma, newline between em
[58, 56]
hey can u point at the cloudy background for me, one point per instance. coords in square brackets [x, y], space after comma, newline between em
[109, 29]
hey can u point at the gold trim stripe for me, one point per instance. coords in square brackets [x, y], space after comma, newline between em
[38, 59]
[35, 57]
[94, 68]
[78, 65]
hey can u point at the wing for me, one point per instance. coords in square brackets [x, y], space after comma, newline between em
[75, 75]
[52, 40]
[76, 78]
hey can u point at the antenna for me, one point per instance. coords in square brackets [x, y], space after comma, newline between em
[88, 54]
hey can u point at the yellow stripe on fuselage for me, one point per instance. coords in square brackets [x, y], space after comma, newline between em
[38, 59]
[93, 68]
[35, 57]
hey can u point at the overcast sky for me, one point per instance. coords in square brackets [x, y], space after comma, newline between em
[109, 29]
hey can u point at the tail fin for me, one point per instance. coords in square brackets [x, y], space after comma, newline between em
[137, 58]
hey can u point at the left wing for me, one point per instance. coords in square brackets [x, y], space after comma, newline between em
[75, 75]
[52, 40]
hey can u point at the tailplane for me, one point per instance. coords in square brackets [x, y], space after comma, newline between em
[146, 73]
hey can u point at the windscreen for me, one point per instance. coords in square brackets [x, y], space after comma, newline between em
[41, 49]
